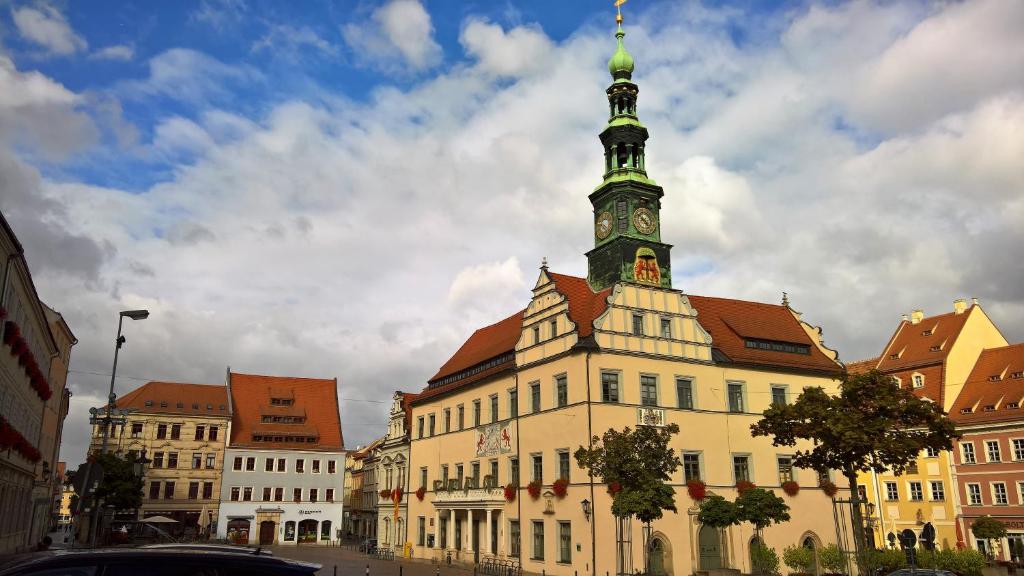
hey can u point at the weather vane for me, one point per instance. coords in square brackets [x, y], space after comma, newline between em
[618, 10]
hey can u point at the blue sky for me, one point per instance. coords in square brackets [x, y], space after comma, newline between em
[350, 189]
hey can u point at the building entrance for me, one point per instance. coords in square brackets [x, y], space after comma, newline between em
[267, 530]
[710, 548]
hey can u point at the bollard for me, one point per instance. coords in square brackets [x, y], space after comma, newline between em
[399, 570]
[335, 570]
[367, 570]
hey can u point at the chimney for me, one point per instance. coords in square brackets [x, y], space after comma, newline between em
[905, 317]
[916, 316]
[959, 305]
[974, 301]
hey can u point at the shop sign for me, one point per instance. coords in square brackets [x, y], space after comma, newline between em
[309, 512]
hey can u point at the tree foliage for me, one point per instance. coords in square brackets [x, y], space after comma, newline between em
[717, 512]
[120, 487]
[764, 560]
[988, 528]
[799, 559]
[761, 508]
[641, 463]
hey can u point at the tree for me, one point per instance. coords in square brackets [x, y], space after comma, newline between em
[120, 487]
[873, 424]
[717, 512]
[988, 529]
[761, 508]
[641, 463]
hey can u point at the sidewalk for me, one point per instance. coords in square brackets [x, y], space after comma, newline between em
[352, 563]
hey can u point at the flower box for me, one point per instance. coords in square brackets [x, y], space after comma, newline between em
[561, 487]
[534, 489]
[791, 487]
[697, 489]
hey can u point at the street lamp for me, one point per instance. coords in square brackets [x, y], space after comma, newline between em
[139, 465]
[586, 508]
[111, 397]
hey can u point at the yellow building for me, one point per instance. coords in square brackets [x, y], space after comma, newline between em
[933, 356]
[502, 416]
[183, 428]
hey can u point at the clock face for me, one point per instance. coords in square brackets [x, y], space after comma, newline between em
[643, 219]
[603, 226]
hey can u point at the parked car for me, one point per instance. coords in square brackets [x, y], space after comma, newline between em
[155, 562]
[236, 549]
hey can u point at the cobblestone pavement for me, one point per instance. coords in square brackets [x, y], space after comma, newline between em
[352, 563]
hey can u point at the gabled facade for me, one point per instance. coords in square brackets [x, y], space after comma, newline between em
[284, 463]
[494, 430]
[393, 473]
[933, 356]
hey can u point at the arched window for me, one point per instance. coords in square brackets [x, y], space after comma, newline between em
[387, 531]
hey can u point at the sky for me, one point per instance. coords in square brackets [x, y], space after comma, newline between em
[349, 189]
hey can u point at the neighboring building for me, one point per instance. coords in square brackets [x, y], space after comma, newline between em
[285, 462]
[59, 479]
[620, 348]
[393, 475]
[932, 356]
[370, 498]
[64, 510]
[354, 526]
[989, 457]
[183, 428]
[33, 369]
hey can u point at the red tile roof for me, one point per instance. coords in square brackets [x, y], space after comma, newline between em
[861, 366]
[584, 304]
[486, 343]
[250, 397]
[981, 389]
[178, 398]
[914, 343]
[731, 322]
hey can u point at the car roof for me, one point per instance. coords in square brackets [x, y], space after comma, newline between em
[231, 548]
[64, 557]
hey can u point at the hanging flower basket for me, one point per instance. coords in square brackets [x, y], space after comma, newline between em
[510, 492]
[396, 495]
[11, 333]
[421, 492]
[614, 488]
[791, 487]
[534, 489]
[385, 494]
[744, 485]
[697, 489]
[829, 488]
[561, 487]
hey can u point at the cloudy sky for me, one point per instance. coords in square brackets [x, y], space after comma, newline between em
[347, 189]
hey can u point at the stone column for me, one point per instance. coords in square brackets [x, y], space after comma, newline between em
[469, 529]
[437, 528]
[487, 534]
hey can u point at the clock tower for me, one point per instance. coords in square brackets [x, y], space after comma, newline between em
[627, 225]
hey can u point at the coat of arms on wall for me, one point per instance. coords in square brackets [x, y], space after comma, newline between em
[645, 267]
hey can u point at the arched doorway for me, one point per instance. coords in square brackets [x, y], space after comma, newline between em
[755, 543]
[659, 557]
[267, 530]
[810, 541]
[307, 531]
[710, 548]
[238, 531]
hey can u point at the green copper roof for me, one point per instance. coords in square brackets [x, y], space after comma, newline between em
[625, 175]
[621, 61]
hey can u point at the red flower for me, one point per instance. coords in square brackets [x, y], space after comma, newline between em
[510, 492]
[744, 485]
[396, 495]
[385, 494]
[697, 489]
[561, 487]
[790, 487]
[534, 489]
[421, 492]
[614, 488]
[829, 488]
[11, 333]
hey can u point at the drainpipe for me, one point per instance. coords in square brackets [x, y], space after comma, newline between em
[519, 458]
[593, 502]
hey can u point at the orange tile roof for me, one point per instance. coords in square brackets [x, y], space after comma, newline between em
[731, 322]
[861, 366]
[914, 344]
[486, 343]
[981, 390]
[251, 394]
[584, 304]
[178, 398]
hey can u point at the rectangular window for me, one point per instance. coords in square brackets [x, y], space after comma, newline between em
[741, 468]
[250, 464]
[538, 468]
[207, 490]
[638, 325]
[536, 334]
[266, 493]
[513, 470]
[300, 466]
[930, 452]
[563, 464]
[892, 491]
[609, 387]
[213, 433]
[200, 432]
[297, 494]
[992, 451]
[999, 494]
[444, 474]
[554, 328]
[458, 473]
[419, 427]
[564, 542]
[158, 460]
[268, 465]
[691, 466]
[513, 403]
[329, 494]
[916, 492]
[278, 494]
[494, 471]
[175, 431]
[938, 490]
[282, 465]
[535, 397]
[562, 390]
[462, 416]
[476, 412]
[197, 460]
[666, 327]
[1018, 448]
[172, 459]
[168, 490]
[332, 467]
[154, 490]
[494, 408]
[161, 431]
[447, 419]
[823, 477]
[423, 476]
[475, 467]
[237, 464]
[136, 429]
[538, 540]
[735, 397]
[236, 493]
[316, 466]
[648, 390]
[974, 494]
[785, 469]
[314, 495]
[967, 452]
[513, 532]
[247, 494]
[778, 396]
[421, 531]
[430, 425]
[684, 393]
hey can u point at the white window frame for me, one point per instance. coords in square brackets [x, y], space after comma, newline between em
[315, 466]
[931, 452]
[743, 396]
[750, 466]
[981, 497]
[693, 390]
[963, 453]
[661, 325]
[896, 486]
[910, 490]
[999, 451]
[640, 389]
[914, 379]
[1013, 448]
[931, 490]
[771, 393]
[1006, 494]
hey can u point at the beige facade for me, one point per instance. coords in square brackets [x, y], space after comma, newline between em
[530, 418]
[392, 464]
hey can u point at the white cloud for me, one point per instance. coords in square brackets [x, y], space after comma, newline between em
[494, 288]
[517, 51]
[123, 52]
[190, 76]
[398, 37]
[45, 26]
[283, 39]
[220, 14]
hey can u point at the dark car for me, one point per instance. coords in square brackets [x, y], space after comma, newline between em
[155, 562]
[232, 548]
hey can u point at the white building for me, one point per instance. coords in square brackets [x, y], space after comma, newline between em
[392, 474]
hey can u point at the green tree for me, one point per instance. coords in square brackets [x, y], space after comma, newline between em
[761, 508]
[832, 559]
[120, 487]
[988, 529]
[717, 512]
[873, 424]
[764, 560]
[799, 559]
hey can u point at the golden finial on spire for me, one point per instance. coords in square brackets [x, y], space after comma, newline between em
[618, 10]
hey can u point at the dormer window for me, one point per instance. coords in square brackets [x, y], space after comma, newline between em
[936, 348]
[895, 356]
[918, 380]
[966, 410]
[926, 333]
[1017, 375]
[163, 404]
[180, 405]
[149, 402]
[1012, 405]
[989, 408]
[995, 378]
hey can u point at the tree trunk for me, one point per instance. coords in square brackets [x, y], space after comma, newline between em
[857, 519]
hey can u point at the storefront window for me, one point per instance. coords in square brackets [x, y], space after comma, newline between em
[289, 531]
[325, 530]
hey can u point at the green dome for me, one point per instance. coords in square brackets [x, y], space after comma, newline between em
[621, 63]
